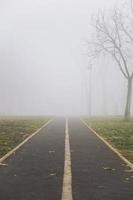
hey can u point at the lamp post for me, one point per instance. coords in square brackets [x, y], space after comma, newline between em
[90, 90]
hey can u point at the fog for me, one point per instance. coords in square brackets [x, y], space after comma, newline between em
[43, 63]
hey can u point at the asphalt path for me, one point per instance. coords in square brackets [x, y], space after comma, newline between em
[36, 170]
[97, 173]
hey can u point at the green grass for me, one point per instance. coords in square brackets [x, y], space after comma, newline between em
[117, 132]
[15, 130]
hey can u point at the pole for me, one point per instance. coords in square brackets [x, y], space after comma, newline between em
[90, 90]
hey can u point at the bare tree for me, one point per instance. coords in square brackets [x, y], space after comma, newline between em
[113, 35]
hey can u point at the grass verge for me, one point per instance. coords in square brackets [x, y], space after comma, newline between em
[117, 132]
[14, 130]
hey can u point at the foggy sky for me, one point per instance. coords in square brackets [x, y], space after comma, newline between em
[43, 63]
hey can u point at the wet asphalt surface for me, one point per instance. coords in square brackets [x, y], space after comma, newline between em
[98, 174]
[36, 171]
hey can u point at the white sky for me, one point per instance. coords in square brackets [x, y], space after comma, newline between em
[41, 58]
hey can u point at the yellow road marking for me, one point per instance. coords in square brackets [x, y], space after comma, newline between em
[67, 179]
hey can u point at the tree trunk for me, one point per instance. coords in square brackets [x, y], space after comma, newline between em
[128, 100]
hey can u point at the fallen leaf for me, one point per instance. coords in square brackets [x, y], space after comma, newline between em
[52, 174]
[51, 151]
[130, 170]
[109, 168]
[3, 164]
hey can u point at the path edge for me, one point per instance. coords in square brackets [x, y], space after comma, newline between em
[128, 163]
[7, 155]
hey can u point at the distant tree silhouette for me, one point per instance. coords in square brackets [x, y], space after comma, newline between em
[113, 35]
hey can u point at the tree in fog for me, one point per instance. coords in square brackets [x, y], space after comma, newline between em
[113, 35]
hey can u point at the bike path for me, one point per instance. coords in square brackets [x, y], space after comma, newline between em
[97, 173]
[36, 170]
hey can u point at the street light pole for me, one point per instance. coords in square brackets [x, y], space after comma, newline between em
[90, 89]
